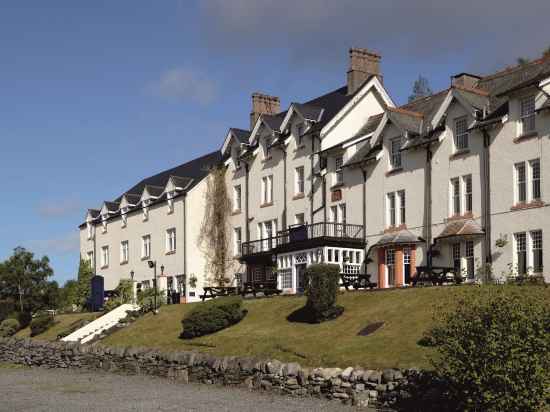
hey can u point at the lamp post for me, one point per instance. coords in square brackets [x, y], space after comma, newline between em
[133, 290]
[153, 265]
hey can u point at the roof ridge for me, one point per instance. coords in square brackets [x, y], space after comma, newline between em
[513, 68]
[425, 97]
[474, 90]
[405, 111]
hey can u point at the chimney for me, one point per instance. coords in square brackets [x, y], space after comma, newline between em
[362, 64]
[263, 104]
[466, 80]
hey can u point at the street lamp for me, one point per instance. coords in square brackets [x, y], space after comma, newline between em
[153, 265]
[133, 290]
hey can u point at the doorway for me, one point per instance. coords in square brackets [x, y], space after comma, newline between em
[301, 277]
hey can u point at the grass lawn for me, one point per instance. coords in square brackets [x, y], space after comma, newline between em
[62, 322]
[265, 332]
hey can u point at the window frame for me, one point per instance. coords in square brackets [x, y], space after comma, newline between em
[396, 159]
[527, 114]
[299, 180]
[338, 169]
[520, 246]
[171, 244]
[468, 197]
[536, 240]
[520, 185]
[391, 209]
[402, 207]
[237, 198]
[461, 134]
[105, 256]
[535, 176]
[237, 241]
[124, 251]
[146, 246]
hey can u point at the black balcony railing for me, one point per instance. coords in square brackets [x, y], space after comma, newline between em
[303, 233]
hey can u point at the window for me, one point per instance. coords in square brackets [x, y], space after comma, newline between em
[105, 256]
[339, 173]
[457, 264]
[286, 278]
[342, 213]
[146, 247]
[171, 240]
[390, 266]
[469, 257]
[237, 241]
[300, 128]
[90, 258]
[391, 209]
[461, 133]
[536, 242]
[467, 193]
[237, 198]
[334, 214]
[236, 156]
[170, 201]
[395, 153]
[402, 216]
[521, 252]
[123, 216]
[299, 219]
[455, 196]
[527, 115]
[299, 180]
[104, 223]
[267, 148]
[266, 231]
[146, 209]
[267, 190]
[90, 229]
[521, 183]
[124, 251]
[535, 179]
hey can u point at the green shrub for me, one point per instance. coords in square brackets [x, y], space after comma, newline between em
[146, 299]
[41, 324]
[24, 318]
[122, 294]
[322, 287]
[6, 307]
[212, 316]
[9, 327]
[494, 348]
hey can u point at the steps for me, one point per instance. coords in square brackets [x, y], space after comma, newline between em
[105, 322]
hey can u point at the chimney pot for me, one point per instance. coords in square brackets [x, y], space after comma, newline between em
[466, 80]
[363, 63]
[263, 104]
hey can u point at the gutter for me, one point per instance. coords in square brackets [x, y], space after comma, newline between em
[486, 180]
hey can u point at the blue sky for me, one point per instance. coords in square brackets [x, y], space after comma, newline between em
[97, 95]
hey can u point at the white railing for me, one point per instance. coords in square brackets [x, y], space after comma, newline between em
[105, 322]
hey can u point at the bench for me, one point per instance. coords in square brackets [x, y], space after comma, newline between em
[268, 288]
[357, 281]
[215, 291]
[436, 275]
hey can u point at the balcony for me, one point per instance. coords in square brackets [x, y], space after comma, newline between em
[298, 237]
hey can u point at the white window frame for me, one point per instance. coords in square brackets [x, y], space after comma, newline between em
[299, 219]
[462, 136]
[146, 246]
[524, 248]
[396, 160]
[267, 190]
[299, 181]
[123, 217]
[338, 169]
[237, 198]
[535, 180]
[300, 130]
[171, 240]
[402, 207]
[527, 115]
[104, 257]
[390, 266]
[90, 258]
[124, 251]
[536, 240]
[237, 241]
[391, 209]
[467, 194]
[455, 203]
[170, 201]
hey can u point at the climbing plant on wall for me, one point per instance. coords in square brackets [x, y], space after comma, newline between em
[213, 238]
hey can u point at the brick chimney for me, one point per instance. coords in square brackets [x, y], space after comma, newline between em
[263, 104]
[362, 64]
[466, 80]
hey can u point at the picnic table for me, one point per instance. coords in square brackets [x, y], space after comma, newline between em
[437, 275]
[215, 291]
[357, 280]
[268, 288]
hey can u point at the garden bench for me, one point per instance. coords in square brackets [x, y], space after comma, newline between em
[268, 288]
[357, 281]
[215, 291]
[436, 275]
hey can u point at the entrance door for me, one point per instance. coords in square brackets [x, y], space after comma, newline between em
[407, 265]
[301, 277]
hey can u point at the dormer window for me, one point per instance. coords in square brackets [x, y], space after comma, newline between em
[338, 170]
[395, 153]
[236, 156]
[123, 216]
[527, 115]
[267, 148]
[170, 198]
[145, 209]
[300, 130]
[461, 133]
[104, 223]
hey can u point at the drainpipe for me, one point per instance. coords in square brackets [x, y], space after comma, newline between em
[247, 225]
[185, 238]
[363, 170]
[284, 222]
[313, 136]
[428, 205]
[95, 251]
[486, 180]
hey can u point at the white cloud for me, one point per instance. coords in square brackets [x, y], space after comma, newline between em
[59, 207]
[185, 84]
[61, 245]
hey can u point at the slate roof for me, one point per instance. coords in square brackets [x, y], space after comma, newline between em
[459, 228]
[132, 198]
[111, 206]
[94, 213]
[240, 134]
[398, 238]
[309, 111]
[181, 182]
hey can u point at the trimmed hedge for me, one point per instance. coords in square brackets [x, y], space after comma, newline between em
[41, 324]
[323, 282]
[9, 327]
[213, 316]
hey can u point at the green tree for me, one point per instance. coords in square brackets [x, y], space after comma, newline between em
[421, 88]
[24, 280]
[85, 274]
[522, 61]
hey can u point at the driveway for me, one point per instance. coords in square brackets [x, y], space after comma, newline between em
[40, 389]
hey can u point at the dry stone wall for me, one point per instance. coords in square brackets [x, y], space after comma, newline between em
[357, 386]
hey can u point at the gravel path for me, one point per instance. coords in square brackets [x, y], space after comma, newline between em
[65, 390]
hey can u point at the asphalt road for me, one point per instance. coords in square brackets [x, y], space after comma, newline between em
[40, 389]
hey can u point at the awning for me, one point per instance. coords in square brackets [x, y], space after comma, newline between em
[401, 237]
[461, 228]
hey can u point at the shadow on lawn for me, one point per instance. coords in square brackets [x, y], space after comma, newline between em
[307, 315]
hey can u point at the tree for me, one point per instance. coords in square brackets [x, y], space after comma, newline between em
[68, 294]
[24, 280]
[546, 52]
[421, 88]
[522, 61]
[84, 289]
[213, 239]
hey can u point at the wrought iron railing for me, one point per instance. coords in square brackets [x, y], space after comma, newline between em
[297, 233]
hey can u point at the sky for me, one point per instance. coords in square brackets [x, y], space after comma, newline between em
[96, 95]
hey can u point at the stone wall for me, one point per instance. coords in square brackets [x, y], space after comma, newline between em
[351, 385]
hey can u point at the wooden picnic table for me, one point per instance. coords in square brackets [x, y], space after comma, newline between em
[215, 291]
[267, 287]
[437, 275]
[358, 281]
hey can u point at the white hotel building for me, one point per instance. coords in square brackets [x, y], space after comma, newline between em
[455, 179]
